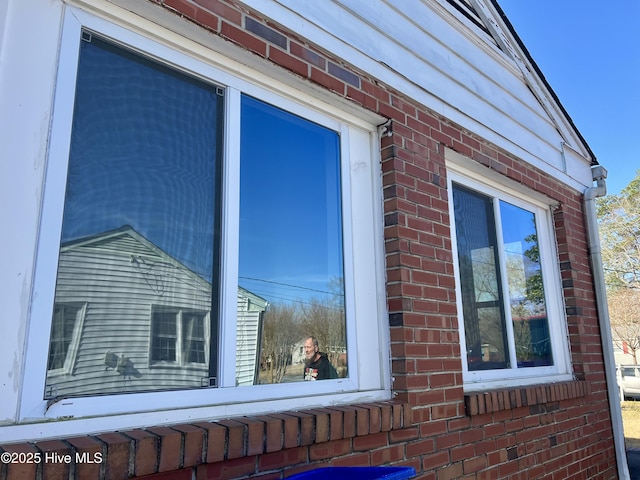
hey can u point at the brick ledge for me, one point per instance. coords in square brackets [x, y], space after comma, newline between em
[152, 450]
[480, 403]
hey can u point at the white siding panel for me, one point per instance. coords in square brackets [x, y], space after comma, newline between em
[122, 279]
[416, 47]
[248, 330]
[120, 296]
[455, 69]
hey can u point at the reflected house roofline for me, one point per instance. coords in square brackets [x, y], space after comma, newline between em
[125, 283]
[255, 299]
[101, 239]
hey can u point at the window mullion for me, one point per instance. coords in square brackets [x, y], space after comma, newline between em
[504, 279]
[230, 241]
[179, 337]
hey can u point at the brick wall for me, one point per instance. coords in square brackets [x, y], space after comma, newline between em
[557, 432]
[244, 446]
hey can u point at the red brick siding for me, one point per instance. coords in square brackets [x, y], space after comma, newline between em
[240, 446]
[552, 431]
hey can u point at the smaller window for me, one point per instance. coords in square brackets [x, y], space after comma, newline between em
[508, 294]
[497, 239]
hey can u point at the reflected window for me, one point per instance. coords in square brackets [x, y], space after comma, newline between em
[65, 330]
[178, 337]
[503, 295]
[164, 337]
[194, 340]
[291, 252]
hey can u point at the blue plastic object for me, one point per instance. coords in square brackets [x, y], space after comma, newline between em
[356, 473]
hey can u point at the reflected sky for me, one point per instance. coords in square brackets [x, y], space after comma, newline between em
[143, 153]
[290, 209]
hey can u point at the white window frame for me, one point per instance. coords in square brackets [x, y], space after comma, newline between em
[467, 173]
[367, 332]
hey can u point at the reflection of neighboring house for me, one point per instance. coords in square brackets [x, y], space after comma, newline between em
[130, 317]
[249, 332]
[298, 356]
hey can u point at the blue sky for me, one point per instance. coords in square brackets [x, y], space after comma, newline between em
[589, 52]
[290, 211]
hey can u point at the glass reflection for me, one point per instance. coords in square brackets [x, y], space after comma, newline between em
[290, 246]
[133, 301]
[484, 318]
[526, 289]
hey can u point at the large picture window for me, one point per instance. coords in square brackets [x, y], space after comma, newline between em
[207, 227]
[511, 321]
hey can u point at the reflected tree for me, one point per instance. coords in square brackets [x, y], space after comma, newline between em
[527, 297]
[286, 324]
[281, 331]
[324, 319]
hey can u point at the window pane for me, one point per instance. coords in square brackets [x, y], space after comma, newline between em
[140, 223]
[482, 298]
[526, 289]
[164, 337]
[193, 337]
[291, 260]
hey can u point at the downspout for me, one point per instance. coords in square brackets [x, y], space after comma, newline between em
[595, 255]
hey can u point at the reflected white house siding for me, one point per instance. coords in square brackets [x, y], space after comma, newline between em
[249, 329]
[118, 279]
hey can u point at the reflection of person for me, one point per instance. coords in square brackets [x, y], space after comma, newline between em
[316, 365]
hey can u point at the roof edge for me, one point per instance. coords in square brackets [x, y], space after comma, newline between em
[542, 78]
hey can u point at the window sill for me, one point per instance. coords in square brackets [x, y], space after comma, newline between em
[480, 403]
